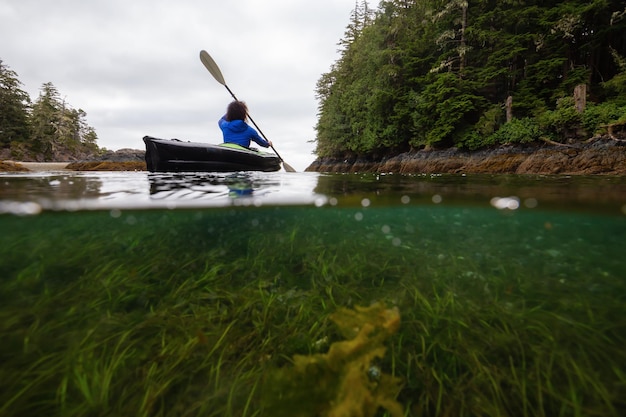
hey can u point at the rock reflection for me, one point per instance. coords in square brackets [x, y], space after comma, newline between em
[596, 193]
[49, 187]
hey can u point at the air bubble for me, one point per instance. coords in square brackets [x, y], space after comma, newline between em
[501, 203]
[531, 202]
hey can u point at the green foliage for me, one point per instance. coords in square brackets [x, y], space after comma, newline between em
[444, 109]
[46, 128]
[561, 123]
[596, 116]
[516, 131]
[58, 126]
[490, 121]
[430, 73]
[14, 104]
[616, 87]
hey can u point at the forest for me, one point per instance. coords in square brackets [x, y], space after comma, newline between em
[47, 129]
[428, 74]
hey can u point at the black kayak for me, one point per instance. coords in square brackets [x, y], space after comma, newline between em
[174, 155]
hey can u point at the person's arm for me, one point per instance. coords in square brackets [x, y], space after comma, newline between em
[258, 139]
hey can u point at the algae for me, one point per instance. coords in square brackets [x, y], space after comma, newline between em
[10, 166]
[345, 381]
[107, 166]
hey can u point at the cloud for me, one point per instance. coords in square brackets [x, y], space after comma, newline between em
[134, 66]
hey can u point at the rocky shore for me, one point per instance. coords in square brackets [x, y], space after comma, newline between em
[599, 155]
[11, 166]
[120, 160]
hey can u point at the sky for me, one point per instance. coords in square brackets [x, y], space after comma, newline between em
[134, 67]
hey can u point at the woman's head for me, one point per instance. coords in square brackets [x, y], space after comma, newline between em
[237, 110]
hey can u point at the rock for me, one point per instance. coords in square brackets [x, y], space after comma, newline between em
[600, 155]
[107, 166]
[10, 166]
[120, 160]
[121, 155]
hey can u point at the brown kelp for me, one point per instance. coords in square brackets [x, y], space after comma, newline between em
[345, 381]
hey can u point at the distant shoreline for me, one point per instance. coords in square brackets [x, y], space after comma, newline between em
[45, 166]
[18, 166]
[120, 160]
[15, 166]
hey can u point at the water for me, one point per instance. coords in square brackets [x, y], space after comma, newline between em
[140, 190]
[193, 294]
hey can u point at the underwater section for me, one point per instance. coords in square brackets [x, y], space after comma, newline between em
[356, 309]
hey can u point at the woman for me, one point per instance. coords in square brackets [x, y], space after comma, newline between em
[236, 130]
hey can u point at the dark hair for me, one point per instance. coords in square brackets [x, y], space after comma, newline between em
[237, 110]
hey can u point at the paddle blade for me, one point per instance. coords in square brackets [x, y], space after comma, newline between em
[288, 167]
[210, 64]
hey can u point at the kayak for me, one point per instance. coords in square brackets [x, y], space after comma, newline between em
[167, 155]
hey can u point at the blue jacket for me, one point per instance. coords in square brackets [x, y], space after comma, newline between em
[238, 132]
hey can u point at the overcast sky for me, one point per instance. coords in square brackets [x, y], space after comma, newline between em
[133, 66]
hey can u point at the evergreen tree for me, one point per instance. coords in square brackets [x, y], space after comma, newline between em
[46, 117]
[14, 107]
[438, 73]
[57, 127]
[360, 17]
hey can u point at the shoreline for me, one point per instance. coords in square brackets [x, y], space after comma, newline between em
[19, 166]
[45, 166]
[597, 156]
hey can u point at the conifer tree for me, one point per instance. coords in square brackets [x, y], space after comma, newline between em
[14, 107]
[452, 73]
[56, 126]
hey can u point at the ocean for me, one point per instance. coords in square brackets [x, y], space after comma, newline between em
[306, 294]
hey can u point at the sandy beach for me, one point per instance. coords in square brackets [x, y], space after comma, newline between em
[45, 166]
[40, 166]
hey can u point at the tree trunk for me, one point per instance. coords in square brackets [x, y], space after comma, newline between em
[580, 97]
[509, 108]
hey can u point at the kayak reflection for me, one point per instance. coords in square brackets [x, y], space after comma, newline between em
[201, 185]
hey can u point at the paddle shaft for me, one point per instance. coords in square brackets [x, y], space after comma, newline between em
[211, 65]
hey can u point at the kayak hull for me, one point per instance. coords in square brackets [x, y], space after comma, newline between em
[173, 155]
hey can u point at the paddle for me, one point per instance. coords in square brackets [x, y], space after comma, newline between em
[210, 64]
